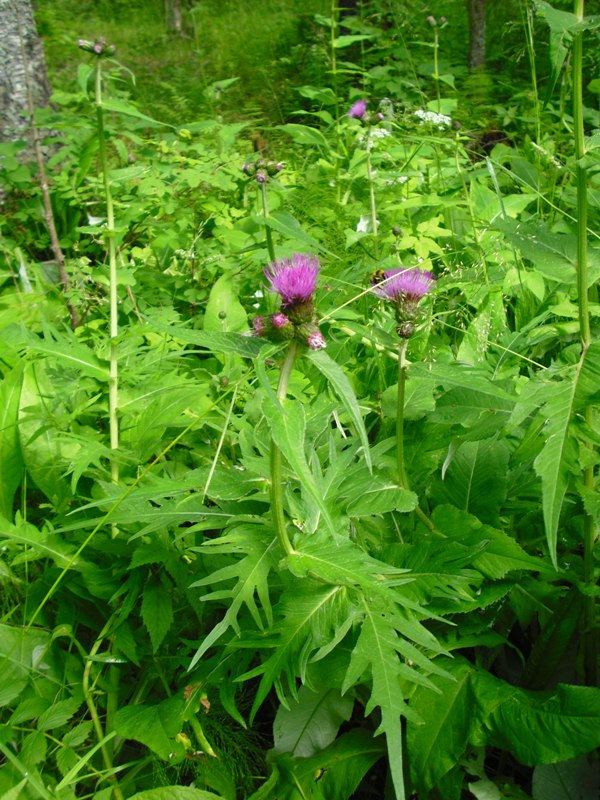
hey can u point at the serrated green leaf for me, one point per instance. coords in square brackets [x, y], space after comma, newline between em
[58, 714]
[251, 574]
[157, 611]
[154, 726]
[246, 346]
[343, 388]
[175, 793]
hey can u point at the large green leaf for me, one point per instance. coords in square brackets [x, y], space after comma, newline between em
[310, 614]
[330, 774]
[288, 428]
[175, 793]
[224, 312]
[311, 722]
[557, 461]
[343, 388]
[437, 744]
[246, 346]
[157, 610]
[250, 574]
[154, 726]
[476, 478]
[11, 460]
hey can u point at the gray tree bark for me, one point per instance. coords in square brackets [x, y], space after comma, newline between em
[173, 16]
[476, 9]
[23, 77]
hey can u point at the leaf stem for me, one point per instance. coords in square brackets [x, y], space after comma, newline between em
[589, 527]
[113, 380]
[276, 481]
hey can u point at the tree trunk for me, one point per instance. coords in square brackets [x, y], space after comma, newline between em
[173, 16]
[476, 10]
[22, 70]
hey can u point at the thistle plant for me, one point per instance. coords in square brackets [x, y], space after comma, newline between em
[295, 281]
[404, 288]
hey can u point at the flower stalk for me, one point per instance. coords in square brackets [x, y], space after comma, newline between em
[276, 493]
[113, 380]
[268, 234]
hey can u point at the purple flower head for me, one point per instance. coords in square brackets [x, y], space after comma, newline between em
[294, 279]
[316, 340]
[410, 284]
[357, 110]
[279, 320]
[98, 47]
[279, 166]
[258, 326]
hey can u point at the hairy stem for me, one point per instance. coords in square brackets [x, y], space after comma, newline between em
[113, 381]
[276, 481]
[589, 527]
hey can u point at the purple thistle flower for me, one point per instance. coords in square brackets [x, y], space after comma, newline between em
[294, 279]
[316, 340]
[98, 47]
[410, 284]
[357, 110]
[279, 320]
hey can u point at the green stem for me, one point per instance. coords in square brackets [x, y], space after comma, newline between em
[276, 480]
[589, 527]
[87, 693]
[113, 380]
[334, 82]
[402, 478]
[371, 188]
[269, 235]
[436, 72]
[403, 481]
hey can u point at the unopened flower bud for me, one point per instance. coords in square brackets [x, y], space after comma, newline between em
[279, 320]
[456, 125]
[443, 20]
[397, 230]
[406, 329]
[261, 176]
[258, 326]
[431, 20]
[316, 340]
[279, 166]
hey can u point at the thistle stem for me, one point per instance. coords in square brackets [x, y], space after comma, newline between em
[402, 478]
[113, 380]
[403, 481]
[276, 480]
[589, 527]
[436, 73]
[269, 235]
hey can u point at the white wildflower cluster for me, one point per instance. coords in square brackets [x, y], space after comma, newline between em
[441, 121]
[369, 139]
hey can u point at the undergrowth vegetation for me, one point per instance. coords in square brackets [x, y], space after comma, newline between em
[304, 503]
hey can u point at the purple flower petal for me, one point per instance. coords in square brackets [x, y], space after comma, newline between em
[294, 279]
[400, 283]
[358, 109]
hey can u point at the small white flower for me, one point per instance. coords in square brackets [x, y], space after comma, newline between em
[441, 121]
[95, 220]
[364, 223]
